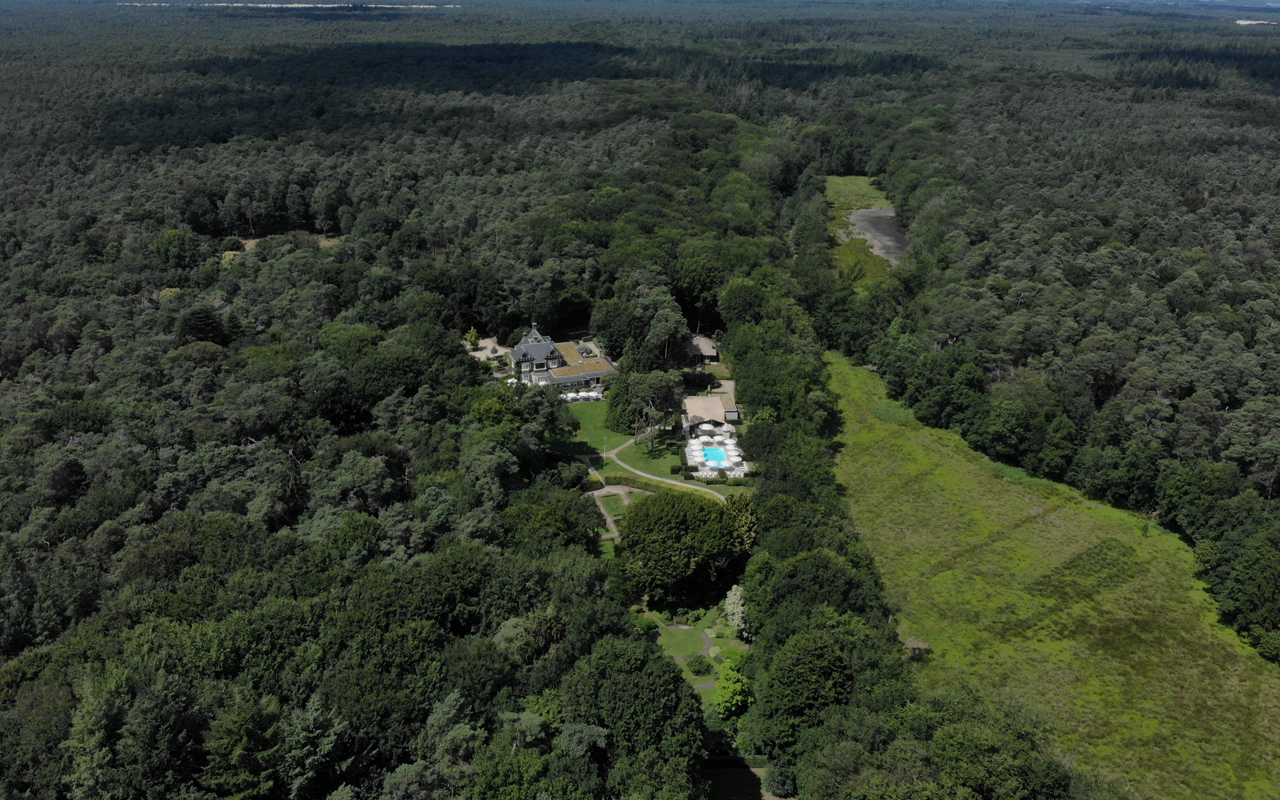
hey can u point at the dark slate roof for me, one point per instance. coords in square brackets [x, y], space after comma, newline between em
[534, 346]
[534, 337]
[538, 351]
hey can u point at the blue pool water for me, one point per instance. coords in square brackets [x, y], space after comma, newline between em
[714, 454]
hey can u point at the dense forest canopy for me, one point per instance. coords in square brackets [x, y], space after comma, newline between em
[268, 530]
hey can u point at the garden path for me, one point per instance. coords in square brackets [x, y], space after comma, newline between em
[681, 484]
[625, 493]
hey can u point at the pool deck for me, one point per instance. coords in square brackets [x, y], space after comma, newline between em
[693, 448]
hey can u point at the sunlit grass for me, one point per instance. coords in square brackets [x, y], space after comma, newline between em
[848, 193]
[614, 505]
[609, 469]
[593, 437]
[660, 462]
[1085, 612]
[853, 256]
[679, 642]
[607, 548]
[682, 643]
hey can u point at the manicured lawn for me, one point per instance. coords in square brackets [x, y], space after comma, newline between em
[659, 465]
[614, 506]
[1087, 614]
[607, 548]
[593, 437]
[608, 468]
[679, 642]
[717, 368]
[705, 619]
[847, 194]
[665, 456]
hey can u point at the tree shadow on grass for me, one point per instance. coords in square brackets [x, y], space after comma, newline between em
[732, 779]
[666, 445]
[577, 447]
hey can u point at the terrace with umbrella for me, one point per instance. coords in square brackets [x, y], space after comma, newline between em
[709, 442]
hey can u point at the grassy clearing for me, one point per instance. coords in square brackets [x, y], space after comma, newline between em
[1084, 612]
[682, 642]
[614, 506]
[607, 548]
[853, 255]
[853, 193]
[679, 644]
[593, 437]
[665, 456]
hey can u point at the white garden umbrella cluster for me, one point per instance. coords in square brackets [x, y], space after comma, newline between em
[732, 451]
[574, 397]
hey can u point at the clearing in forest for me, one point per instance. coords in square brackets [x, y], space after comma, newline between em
[865, 226]
[593, 437]
[1086, 613]
[701, 633]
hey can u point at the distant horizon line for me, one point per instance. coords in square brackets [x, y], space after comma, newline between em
[297, 5]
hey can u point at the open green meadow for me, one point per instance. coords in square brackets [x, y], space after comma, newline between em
[1087, 614]
[680, 642]
[847, 194]
[614, 505]
[593, 437]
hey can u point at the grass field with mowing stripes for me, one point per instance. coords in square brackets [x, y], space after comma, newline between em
[1088, 614]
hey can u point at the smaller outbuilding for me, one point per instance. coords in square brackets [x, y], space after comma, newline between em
[702, 350]
[702, 411]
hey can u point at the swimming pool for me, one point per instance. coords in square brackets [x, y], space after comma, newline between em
[715, 454]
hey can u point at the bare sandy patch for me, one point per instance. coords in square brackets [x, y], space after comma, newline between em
[883, 231]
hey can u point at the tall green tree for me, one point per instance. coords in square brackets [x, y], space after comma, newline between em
[676, 545]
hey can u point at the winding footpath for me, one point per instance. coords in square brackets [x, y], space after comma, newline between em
[614, 455]
[625, 493]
